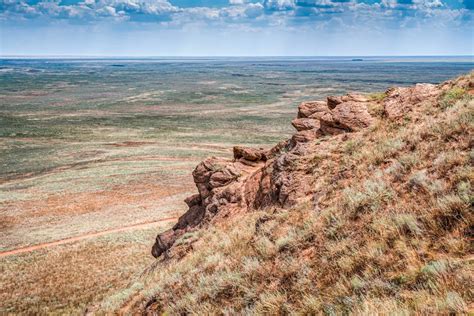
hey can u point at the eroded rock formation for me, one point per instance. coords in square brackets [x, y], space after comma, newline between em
[402, 99]
[256, 178]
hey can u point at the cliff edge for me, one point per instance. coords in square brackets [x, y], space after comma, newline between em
[366, 209]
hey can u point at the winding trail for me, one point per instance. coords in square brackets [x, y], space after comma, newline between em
[85, 236]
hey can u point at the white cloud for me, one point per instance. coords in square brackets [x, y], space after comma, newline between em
[427, 3]
[268, 13]
[254, 10]
[279, 4]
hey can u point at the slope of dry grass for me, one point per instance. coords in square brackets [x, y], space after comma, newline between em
[390, 233]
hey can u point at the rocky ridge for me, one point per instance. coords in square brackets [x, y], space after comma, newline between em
[280, 176]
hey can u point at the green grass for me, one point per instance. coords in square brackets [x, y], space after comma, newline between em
[450, 97]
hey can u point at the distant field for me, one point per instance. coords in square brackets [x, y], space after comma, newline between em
[87, 146]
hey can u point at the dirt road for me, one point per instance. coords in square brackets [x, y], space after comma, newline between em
[85, 236]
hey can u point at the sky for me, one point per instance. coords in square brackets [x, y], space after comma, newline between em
[236, 27]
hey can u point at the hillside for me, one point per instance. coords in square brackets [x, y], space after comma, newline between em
[366, 209]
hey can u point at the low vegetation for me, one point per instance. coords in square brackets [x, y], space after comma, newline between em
[390, 235]
[67, 279]
[451, 96]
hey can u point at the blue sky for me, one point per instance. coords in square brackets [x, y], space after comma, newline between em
[236, 27]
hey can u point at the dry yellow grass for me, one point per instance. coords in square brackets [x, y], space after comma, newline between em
[391, 234]
[67, 279]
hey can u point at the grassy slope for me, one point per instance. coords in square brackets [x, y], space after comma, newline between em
[390, 233]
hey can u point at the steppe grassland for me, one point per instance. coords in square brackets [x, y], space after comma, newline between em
[85, 147]
[66, 279]
[69, 170]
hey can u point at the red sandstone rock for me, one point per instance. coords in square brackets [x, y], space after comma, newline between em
[304, 136]
[303, 124]
[247, 153]
[307, 109]
[257, 178]
[348, 116]
[333, 101]
[354, 97]
[401, 100]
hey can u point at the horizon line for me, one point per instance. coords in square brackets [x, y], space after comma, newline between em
[220, 56]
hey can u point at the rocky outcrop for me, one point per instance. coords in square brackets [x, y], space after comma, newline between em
[257, 178]
[250, 154]
[304, 124]
[402, 99]
[350, 116]
[311, 109]
[337, 115]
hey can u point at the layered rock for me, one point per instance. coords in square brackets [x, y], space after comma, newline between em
[350, 116]
[258, 178]
[337, 115]
[304, 124]
[220, 184]
[311, 109]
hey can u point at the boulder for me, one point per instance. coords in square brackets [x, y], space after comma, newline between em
[333, 101]
[348, 116]
[191, 218]
[192, 200]
[217, 182]
[221, 178]
[354, 97]
[251, 154]
[304, 136]
[163, 242]
[303, 124]
[307, 109]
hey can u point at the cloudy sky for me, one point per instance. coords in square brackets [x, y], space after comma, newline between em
[236, 27]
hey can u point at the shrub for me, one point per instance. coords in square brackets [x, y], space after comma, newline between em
[380, 96]
[265, 247]
[450, 97]
[406, 223]
[374, 194]
[387, 149]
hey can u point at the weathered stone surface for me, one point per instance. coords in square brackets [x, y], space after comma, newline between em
[221, 178]
[307, 109]
[256, 177]
[163, 242]
[303, 124]
[251, 154]
[354, 97]
[192, 200]
[276, 150]
[402, 100]
[191, 218]
[201, 173]
[333, 101]
[217, 181]
[348, 116]
[304, 136]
